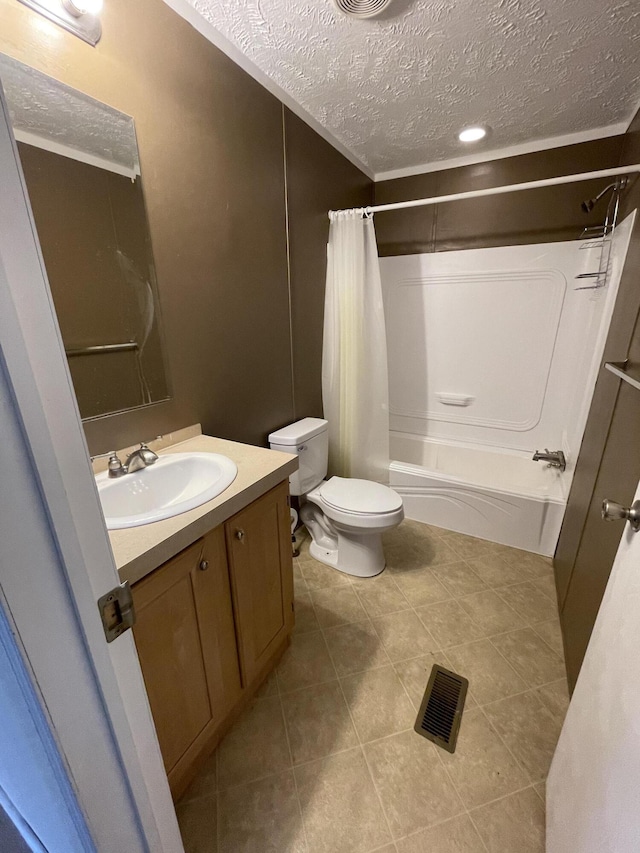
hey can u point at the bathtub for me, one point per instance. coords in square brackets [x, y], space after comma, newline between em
[502, 496]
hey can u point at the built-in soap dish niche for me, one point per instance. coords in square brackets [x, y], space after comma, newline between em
[449, 399]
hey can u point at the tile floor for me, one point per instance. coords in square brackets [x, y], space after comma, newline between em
[326, 759]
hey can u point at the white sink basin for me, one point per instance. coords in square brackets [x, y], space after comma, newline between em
[175, 483]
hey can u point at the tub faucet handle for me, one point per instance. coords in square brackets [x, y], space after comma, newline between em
[554, 458]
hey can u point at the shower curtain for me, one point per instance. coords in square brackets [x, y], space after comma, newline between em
[355, 389]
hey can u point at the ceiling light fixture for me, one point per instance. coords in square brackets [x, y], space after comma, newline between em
[472, 134]
[79, 17]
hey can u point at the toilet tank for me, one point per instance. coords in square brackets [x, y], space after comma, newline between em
[309, 440]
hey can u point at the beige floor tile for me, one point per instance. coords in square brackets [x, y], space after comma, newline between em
[403, 635]
[490, 676]
[555, 697]
[424, 553]
[414, 789]
[262, 816]
[541, 790]
[530, 656]
[421, 587]
[318, 722]
[341, 811]
[530, 566]
[495, 571]
[411, 532]
[515, 823]
[256, 745]
[378, 703]
[460, 579]
[306, 619]
[551, 634]
[415, 673]
[319, 576]
[436, 552]
[337, 605]
[380, 595]
[529, 730]
[299, 583]
[529, 603]
[206, 782]
[469, 547]
[355, 647]
[449, 624]
[457, 835]
[482, 768]
[269, 686]
[306, 662]
[197, 820]
[547, 585]
[490, 612]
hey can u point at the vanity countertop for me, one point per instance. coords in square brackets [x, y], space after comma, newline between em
[140, 550]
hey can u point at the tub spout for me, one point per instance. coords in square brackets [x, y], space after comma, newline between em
[555, 458]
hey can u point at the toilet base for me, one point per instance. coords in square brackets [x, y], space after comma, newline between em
[357, 559]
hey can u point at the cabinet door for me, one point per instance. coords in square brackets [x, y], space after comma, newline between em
[259, 549]
[186, 642]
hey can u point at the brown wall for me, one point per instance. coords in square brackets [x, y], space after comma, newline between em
[211, 148]
[534, 216]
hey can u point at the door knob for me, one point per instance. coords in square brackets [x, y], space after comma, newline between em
[240, 535]
[204, 565]
[611, 511]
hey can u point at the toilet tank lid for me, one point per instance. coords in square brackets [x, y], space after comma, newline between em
[299, 431]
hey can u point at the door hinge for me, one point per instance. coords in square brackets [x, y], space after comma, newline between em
[117, 611]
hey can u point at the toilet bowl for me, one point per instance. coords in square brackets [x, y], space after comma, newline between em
[345, 517]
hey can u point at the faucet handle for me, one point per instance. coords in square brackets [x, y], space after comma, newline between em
[115, 466]
[147, 453]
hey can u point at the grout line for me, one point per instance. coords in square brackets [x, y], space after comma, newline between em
[504, 797]
[293, 773]
[508, 748]
[455, 788]
[362, 752]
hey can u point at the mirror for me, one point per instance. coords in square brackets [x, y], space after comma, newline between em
[81, 165]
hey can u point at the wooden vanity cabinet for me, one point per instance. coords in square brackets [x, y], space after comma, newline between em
[211, 622]
[259, 549]
[185, 636]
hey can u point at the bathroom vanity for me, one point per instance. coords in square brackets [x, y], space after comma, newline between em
[213, 593]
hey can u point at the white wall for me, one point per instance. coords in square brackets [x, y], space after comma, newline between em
[504, 328]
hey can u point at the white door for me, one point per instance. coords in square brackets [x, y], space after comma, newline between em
[94, 739]
[593, 789]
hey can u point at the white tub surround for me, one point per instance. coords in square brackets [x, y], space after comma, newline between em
[493, 354]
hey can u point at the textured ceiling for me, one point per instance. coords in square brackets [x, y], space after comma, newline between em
[395, 90]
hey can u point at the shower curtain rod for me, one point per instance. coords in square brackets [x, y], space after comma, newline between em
[510, 188]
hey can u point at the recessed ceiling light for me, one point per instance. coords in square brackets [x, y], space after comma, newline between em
[472, 134]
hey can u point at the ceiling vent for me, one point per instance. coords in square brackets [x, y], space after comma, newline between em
[362, 8]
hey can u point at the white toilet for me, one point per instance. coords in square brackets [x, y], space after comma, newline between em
[345, 517]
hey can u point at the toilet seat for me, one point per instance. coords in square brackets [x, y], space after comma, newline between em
[360, 497]
[358, 504]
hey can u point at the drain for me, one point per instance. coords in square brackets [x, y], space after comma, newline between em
[441, 709]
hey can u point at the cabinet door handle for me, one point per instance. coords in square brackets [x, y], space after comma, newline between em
[240, 535]
[204, 565]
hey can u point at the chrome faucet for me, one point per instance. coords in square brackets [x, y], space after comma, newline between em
[136, 461]
[555, 458]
